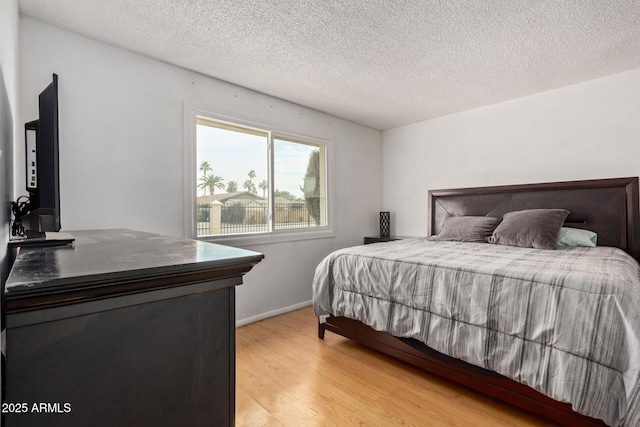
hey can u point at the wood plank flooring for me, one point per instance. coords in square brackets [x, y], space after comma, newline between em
[286, 376]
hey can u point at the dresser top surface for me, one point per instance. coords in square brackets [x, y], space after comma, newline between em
[103, 255]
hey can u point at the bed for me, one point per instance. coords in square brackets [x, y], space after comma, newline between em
[414, 299]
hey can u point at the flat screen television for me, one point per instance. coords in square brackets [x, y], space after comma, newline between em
[42, 174]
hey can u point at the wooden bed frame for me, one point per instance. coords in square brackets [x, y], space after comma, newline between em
[608, 207]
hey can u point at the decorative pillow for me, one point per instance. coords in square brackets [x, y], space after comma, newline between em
[533, 228]
[468, 228]
[576, 237]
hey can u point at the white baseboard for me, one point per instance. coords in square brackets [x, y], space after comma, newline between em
[272, 313]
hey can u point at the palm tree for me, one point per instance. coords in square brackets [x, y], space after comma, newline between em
[264, 185]
[232, 187]
[205, 167]
[249, 186]
[211, 182]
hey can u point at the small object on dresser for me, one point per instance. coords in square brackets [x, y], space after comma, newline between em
[385, 224]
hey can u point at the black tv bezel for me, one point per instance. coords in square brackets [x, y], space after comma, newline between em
[44, 199]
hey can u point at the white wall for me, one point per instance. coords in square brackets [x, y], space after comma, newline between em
[121, 142]
[8, 123]
[8, 115]
[584, 131]
[8, 118]
[9, 50]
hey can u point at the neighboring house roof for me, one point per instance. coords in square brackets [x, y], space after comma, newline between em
[226, 197]
[281, 200]
[246, 198]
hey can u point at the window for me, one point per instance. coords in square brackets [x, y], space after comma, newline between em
[251, 180]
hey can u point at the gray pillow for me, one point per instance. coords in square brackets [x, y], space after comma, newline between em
[533, 228]
[468, 228]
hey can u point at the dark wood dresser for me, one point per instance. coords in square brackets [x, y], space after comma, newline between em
[123, 328]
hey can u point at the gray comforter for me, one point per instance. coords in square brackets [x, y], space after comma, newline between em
[564, 322]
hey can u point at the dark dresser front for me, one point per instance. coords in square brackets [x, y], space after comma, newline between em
[123, 328]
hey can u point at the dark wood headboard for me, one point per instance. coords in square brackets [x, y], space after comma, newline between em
[609, 207]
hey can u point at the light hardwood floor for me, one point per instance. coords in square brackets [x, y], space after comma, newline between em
[286, 376]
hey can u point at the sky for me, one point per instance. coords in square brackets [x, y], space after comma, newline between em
[233, 154]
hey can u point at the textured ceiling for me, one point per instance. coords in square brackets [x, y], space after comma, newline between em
[381, 63]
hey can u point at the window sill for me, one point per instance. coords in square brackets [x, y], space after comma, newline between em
[275, 237]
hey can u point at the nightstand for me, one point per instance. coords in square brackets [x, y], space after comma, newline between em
[378, 239]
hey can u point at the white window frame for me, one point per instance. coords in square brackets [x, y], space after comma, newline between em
[191, 110]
